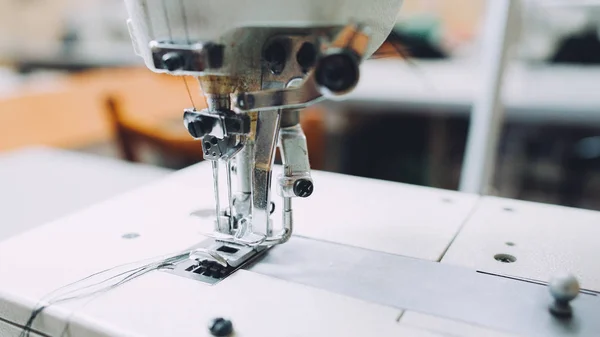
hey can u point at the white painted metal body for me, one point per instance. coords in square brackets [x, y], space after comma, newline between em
[394, 218]
[201, 21]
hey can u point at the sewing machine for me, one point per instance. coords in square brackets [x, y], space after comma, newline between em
[357, 257]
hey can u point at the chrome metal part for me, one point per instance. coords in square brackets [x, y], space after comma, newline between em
[200, 254]
[211, 261]
[224, 254]
[215, 173]
[186, 59]
[280, 98]
[294, 155]
[329, 78]
[264, 152]
[242, 199]
[219, 131]
[217, 123]
[230, 211]
[217, 102]
[223, 149]
[564, 288]
[297, 67]
[288, 221]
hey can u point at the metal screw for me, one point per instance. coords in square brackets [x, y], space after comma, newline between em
[220, 327]
[172, 61]
[275, 55]
[199, 127]
[564, 288]
[337, 72]
[505, 258]
[306, 56]
[303, 188]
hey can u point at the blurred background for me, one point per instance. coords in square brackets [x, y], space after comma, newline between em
[69, 79]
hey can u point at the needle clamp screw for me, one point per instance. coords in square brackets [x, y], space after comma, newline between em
[303, 188]
[172, 61]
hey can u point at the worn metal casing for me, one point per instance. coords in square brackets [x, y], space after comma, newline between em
[189, 22]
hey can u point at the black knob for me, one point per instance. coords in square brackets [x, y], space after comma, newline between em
[199, 127]
[275, 55]
[303, 188]
[220, 327]
[306, 56]
[172, 61]
[338, 72]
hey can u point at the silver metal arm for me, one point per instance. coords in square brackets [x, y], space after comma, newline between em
[267, 130]
[276, 99]
[296, 180]
[245, 132]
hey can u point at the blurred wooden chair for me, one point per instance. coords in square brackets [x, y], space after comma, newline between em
[145, 110]
[61, 118]
[178, 147]
[175, 147]
[137, 109]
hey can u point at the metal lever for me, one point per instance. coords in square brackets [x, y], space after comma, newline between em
[203, 253]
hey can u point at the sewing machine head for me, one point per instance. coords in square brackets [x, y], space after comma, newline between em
[258, 63]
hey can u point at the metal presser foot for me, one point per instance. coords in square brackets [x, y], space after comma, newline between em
[242, 129]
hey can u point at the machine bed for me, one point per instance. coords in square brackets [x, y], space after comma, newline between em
[367, 258]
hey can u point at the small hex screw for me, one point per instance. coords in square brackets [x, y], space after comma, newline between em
[220, 327]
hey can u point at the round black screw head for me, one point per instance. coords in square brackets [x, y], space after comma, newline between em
[275, 55]
[172, 61]
[337, 72]
[306, 56]
[192, 130]
[303, 188]
[220, 327]
[199, 128]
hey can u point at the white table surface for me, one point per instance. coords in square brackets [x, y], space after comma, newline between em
[566, 94]
[38, 185]
[390, 217]
[384, 216]
[545, 240]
